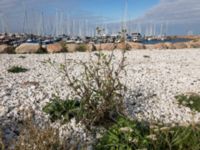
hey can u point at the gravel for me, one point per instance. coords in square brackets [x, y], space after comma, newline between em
[153, 78]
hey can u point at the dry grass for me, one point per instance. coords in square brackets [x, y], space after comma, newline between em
[33, 137]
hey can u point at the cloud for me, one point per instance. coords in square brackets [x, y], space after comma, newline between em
[173, 11]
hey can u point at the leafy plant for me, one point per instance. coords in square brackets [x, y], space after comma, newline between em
[17, 69]
[127, 134]
[191, 101]
[62, 109]
[81, 48]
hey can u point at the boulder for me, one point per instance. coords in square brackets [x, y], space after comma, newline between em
[180, 45]
[71, 47]
[91, 47]
[169, 45]
[193, 44]
[4, 48]
[160, 46]
[55, 48]
[134, 45]
[105, 46]
[28, 48]
[123, 46]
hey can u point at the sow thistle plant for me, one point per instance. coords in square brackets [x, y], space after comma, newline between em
[98, 89]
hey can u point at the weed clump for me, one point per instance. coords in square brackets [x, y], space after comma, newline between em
[81, 48]
[192, 101]
[98, 88]
[34, 137]
[17, 69]
[127, 134]
[59, 109]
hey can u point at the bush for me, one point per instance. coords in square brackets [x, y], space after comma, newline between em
[191, 101]
[98, 89]
[81, 48]
[17, 69]
[130, 135]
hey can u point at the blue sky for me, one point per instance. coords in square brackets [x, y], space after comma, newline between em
[180, 16]
[114, 9]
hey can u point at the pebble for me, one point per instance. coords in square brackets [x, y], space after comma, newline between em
[167, 74]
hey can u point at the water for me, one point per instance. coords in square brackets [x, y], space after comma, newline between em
[160, 41]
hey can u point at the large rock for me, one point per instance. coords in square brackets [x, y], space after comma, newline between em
[123, 46]
[105, 46]
[71, 47]
[180, 45]
[169, 45]
[193, 44]
[55, 48]
[28, 48]
[6, 49]
[91, 47]
[134, 45]
[156, 46]
[80, 47]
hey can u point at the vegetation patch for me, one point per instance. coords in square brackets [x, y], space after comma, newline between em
[64, 110]
[17, 69]
[98, 89]
[192, 101]
[23, 57]
[130, 135]
[35, 137]
[81, 48]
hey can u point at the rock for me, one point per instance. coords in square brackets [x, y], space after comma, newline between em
[160, 46]
[105, 46]
[193, 44]
[91, 47]
[28, 48]
[55, 48]
[123, 46]
[134, 45]
[71, 47]
[4, 48]
[169, 45]
[181, 45]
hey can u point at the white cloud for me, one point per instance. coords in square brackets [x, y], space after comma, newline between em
[174, 11]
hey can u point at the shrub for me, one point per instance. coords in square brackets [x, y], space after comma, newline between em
[17, 69]
[191, 101]
[127, 134]
[81, 48]
[62, 109]
[98, 88]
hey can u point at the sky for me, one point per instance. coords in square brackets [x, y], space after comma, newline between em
[79, 16]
